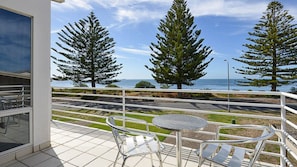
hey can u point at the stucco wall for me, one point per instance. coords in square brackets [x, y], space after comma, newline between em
[39, 10]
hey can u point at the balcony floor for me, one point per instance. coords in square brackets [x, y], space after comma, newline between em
[77, 146]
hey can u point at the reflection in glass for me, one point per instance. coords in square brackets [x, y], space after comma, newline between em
[15, 44]
[15, 76]
[14, 131]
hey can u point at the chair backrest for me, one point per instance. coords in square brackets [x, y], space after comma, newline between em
[266, 134]
[116, 131]
[2, 107]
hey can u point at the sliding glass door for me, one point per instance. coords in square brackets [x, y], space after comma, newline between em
[15, 79]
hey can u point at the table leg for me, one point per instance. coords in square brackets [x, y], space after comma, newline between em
[178, 148]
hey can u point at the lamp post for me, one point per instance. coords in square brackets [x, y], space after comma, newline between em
[228, 85]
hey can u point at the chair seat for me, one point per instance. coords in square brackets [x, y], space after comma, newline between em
[227, 153]
[224, 154]
[136, 145]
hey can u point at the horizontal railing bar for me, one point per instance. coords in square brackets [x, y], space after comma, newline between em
[85, 94]
[290, 109]
[290, 95]
[174, 109]
[79, 113]
[262, 105]
[291, 124]
[178, 90]
[291, 138]
[13, 86]
[88, 108]
[88, 101]
[78, 119]
[204, 112]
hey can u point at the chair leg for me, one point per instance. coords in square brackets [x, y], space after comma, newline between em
[160, 158]
[6, 126]
[115, 162]
[124, 161]
[152, 160]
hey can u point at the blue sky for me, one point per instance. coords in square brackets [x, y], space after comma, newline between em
[133, 24]
[15, 42]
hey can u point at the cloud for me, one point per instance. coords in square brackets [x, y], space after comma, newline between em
[135, 11]
[72, 4]
[244, 9]
[292, 11]
[137, 15]
[135, 51]
[55, 31]
[131, 3]
[120, 56]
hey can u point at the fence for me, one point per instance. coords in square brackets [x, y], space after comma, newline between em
[81, 105]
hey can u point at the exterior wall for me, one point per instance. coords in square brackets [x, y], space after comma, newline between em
[39, 10]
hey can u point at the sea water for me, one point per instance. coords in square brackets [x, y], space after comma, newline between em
[201, 84]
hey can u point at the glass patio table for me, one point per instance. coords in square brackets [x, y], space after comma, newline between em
[179, 122]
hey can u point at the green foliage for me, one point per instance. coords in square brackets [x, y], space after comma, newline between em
[293, 90]
[87, 51]
[144, 84]
[165, 86]
[112, 86]
[178, 57]
[271, 51]
[80, 84]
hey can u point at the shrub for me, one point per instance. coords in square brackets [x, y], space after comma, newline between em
[144, 84]
[293, 90]
[112, 86]
[165, 86]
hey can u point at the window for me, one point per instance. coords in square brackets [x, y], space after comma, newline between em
[15, 79]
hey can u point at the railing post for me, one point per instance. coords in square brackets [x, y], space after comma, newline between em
[283, 129]
[124, 106]
[23, 95]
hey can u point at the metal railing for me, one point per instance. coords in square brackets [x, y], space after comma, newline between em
[14, 96]
[79, 105]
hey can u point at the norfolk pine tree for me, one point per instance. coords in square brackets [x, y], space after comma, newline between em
[87, 51]
[271, 53]
[178, 57]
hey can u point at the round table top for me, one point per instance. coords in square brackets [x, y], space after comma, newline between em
[178, 122]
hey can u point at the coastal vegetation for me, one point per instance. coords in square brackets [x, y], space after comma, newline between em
[270, 57]
[87, 53]
[144, 84]
[179, 56]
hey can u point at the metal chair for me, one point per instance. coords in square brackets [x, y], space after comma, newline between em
[6, 104]
[227, 153]
[134, 143]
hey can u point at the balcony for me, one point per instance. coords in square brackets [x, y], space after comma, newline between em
[74, 145]
[90, 143]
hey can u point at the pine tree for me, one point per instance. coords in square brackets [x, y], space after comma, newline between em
[87, 51]
[271, 51]
[178, 56]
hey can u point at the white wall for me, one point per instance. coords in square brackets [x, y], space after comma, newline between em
[39, 10]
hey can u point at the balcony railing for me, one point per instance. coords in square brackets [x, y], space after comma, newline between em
[90, 106]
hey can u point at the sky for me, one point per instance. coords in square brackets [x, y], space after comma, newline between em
[133, 24]
[15, 42]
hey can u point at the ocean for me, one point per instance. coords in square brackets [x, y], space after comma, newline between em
[202, 84]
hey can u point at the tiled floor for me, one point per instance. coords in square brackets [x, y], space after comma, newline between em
[77, 146]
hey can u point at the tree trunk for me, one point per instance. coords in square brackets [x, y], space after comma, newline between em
[93, 86]
[179, 86]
